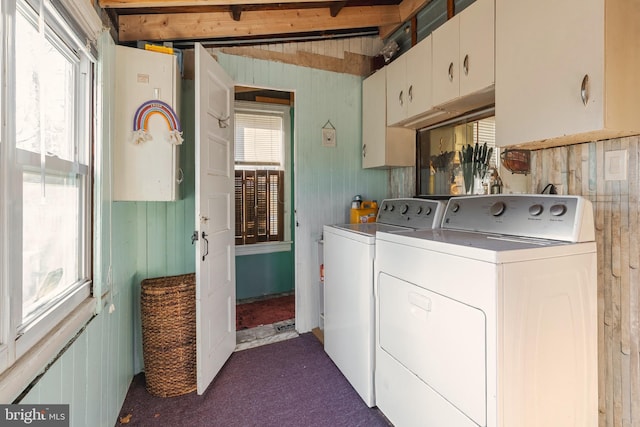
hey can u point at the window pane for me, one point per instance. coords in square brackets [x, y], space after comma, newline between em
[259, 140]
[44, 94]
[27, 87]
[51, 239]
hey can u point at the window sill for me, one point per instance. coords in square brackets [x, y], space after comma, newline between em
[263, 248]
[17, 377]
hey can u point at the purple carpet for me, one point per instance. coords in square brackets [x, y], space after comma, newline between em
[289, 383]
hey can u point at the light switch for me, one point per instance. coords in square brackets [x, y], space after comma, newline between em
[615, 165]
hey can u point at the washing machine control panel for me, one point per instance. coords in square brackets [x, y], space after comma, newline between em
[410, 212]
[556, 217]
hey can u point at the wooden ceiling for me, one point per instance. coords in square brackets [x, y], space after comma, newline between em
[241, 20]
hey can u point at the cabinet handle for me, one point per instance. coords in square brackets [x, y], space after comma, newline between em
[451, 72]
[411, 93]
[465, 65]
[400, 98]
[584, 89]
[364, 150]
[180, 176]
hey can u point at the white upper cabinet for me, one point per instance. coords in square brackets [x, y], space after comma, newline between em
[409, 84]
[147, 134]
[566, 72]
[463, 59]
[477, 47]
[396, 91]
[382, 146]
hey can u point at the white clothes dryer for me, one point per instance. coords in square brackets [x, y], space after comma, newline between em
[349, 308]
[490, 320]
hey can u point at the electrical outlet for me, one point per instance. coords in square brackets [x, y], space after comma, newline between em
[615, 165]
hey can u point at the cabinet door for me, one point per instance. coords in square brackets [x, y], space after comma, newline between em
[382, 146]
[446, 69]
[374, 119]
[397, 96]
[420, 98]
[477, 51]
[147, 170]
[544, 49]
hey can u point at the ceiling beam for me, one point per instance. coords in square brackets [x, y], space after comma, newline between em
[202, 26]
[124, 4]
[236, 11]
[336, 8]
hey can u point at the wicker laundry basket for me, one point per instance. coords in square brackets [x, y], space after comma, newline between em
[168, 311]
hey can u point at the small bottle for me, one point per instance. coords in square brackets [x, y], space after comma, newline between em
[496, 187]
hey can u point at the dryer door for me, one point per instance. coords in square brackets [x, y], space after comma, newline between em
[440, 340]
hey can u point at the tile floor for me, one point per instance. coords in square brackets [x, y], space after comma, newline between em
[265, 334]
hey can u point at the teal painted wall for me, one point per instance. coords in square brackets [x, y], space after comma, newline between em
[326, 178]
[163, 229]
[264, 274]
[153, 239]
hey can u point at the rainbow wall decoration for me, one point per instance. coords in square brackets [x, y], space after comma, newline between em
[141, 121]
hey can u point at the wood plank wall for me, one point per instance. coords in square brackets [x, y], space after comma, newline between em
[349, 55]
[579, 169]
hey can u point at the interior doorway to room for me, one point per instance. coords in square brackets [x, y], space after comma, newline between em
[265, 276]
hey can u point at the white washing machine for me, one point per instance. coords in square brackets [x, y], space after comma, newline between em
[349, 308]
[490, 320]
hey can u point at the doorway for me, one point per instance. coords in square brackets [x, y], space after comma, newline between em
[265, 276]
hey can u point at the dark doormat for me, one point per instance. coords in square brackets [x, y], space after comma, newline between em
[265, 311]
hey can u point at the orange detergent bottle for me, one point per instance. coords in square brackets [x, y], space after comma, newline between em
[367, 212]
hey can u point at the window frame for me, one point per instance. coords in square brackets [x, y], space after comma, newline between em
[283, 111]
[29, 346]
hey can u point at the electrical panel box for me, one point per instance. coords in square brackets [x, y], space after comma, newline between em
[148, 134]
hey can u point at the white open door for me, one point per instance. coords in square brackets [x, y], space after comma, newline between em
[215, 263]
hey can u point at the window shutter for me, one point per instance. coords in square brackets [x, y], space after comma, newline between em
[261, 205]
[276, 205]
[486, 132]
[239, 196]
[259, 211]
[250, 225]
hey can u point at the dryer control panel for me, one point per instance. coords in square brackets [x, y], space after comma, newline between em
[555, 217]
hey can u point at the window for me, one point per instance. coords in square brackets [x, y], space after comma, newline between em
[261, 139]
[259, 206]
[46, 151]
[439, 166]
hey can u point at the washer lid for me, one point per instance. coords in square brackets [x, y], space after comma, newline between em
[369, 228]
[493, 248]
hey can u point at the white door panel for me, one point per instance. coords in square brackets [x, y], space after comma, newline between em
[215, 264]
